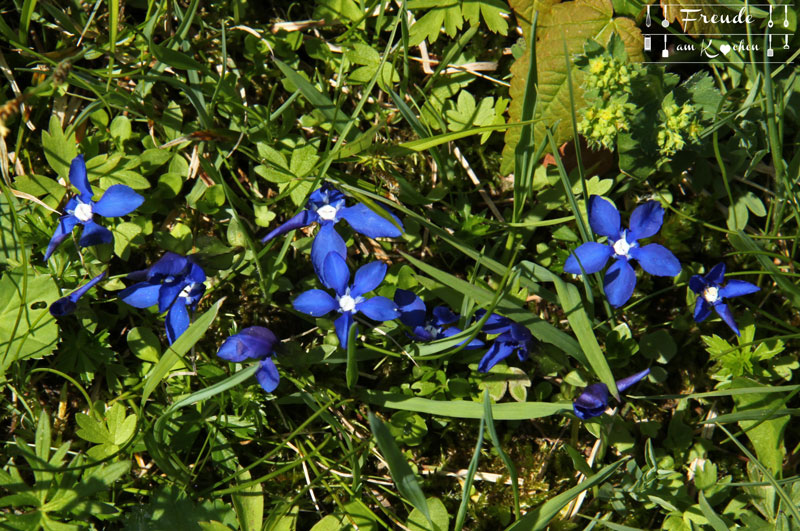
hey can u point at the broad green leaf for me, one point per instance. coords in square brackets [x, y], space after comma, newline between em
[178, 349]
[329, 523]
[467, 409]
[59, 149]
[249, 504]
[561, 32]
[27, 330]
[767, 435]
[92, 430]
[440, 520]
[10, 243]
[403, 476]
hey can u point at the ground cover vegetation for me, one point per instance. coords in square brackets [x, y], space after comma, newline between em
[367, 264]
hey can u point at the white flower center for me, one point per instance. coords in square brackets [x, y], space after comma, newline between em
[83, 212]
[186, 290]
[622, 247]
[327, 212]
[432, 330]
[347, 303]
[711, 294]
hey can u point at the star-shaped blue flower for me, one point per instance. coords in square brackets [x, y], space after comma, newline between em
[66, 305]
[175, 283]
[255, 342]
[623, 246]
[594, 399]
[513, 338]
[712, 294]
[424, 327]
[326, 206]
[118, 200]
[348, 300]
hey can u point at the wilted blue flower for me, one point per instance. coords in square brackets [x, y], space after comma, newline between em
[175, 283]
[118, 200]
[594, 399]
[513, 338]
[326, 207]
[424, 327]
[620, 279]
[255, 342]
[66, 305]
[349, 300]
[712, 293]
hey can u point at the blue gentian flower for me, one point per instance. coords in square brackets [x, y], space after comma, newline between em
[66, 305]
[594, 399]
[424, 327]
[712, 293]
[175, 283]
[255, 342]
[620, 279]
[326, 207]
[118, 200]
[349, 300]
[513, 338]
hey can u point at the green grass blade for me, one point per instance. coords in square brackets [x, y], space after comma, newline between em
[512, 471]
[713, 518]
[351, 372]
[178, 349]
[401, 473]
[470, 477]
[466, 409]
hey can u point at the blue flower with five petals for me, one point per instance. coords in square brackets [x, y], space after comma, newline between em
[175, 283]
[66, 305]
[513, 338]
[118, 200]
[712, 293]
[623, 246]
[326, 206]
[348, 300]
[594, 399]
[255, 342]
[424, 327]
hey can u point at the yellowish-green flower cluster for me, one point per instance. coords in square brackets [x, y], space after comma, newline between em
[610, 76]
[603, 120]
[680, 125]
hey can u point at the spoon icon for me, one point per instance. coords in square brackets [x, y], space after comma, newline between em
[769, 24]
[785, 15]
[647, 21]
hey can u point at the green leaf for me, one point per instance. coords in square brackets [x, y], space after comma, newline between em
[765, 435]
[329, 523]
[175, 58]
[401, 473]
[120, 128]
[59, 149]
[178, 349]
[742, 242]
[126, 235]
[92, 430]
[467, 409]
[540, 517]
[440, 520]
[27, 330]
[351, 371]
[249, 503]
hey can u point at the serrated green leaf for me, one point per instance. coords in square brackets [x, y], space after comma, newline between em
[59, 149]
[92, 430]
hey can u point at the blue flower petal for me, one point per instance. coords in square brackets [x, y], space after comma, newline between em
[725, 313]
[591, 402]
[716, 274]
[657, 260]
[412, 309]
[196, 275]
[326, 242]
[604, 218]
[499, 351]
[368, 277]
[169, 265]
[342, 325]
[252, 342]
[63, 306]
[315, 302]
[79, 179]
[118, 200]
[366, 222]
[141, 295]
[335, 273]
[62, 232]
[618, 283]
[378, 309]
[80, 292]
[495, 324]
[592, 255]
[267, 375]
[301, 219]
[94, 234]
[737, 288]
[697, 284]
[168, 293]
[422, 334]
[702, 310]
[177, 321]
[626, 383]
[325, 195]
[442, 315]
[646, 220]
